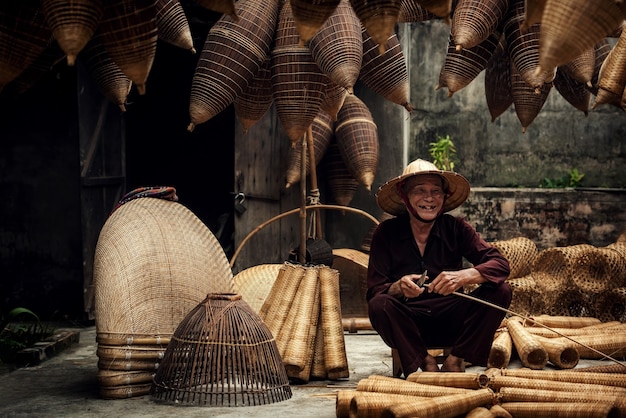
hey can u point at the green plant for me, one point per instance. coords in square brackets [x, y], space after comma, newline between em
[573, 178]
[443, 152]
[19, 329]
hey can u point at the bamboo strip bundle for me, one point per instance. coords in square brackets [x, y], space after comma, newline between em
[556, 410]
[322, 129]
[256, 98]
[602, 49]
[342, 404]
[318, 365]
[73, 23]
[575, 92]
[275, 308]
[440, 8]
[379, 18]
[497, 383]
[128, 31]
[556, 321]
[342, 184]
[498, 81]
[530, 351]
[533, 10]
[386, 74]
[501, 350]
[24, 35]
[461, 380]
[386, 384]
[444, 406]
[356, 135]
[612, 77]
[527, 100]
[412, 11]
[172, 24]
[226, 7]
[474, 21]
[108, 77]
[298, 84]
[310, 15]
[562, 353]
[334, 96]
[612, 344]
[520, 252]
[337, 47]
[39, 68]
[571, 376]
[332, 327]
[232, 54]
[308, 356]
[568, 29]
[372, 404]
[462, 66]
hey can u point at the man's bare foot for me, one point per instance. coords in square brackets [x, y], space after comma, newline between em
[429, 364]
[453, 364]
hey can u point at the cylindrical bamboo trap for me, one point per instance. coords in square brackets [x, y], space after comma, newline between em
[613, 326]
[520, 252]
[356, 135]
[479, 412]
[386, 384]
[562, 353]
[604, 368]
[571, 376]
[561, 321]
[221, 354]
[530, 351]
[371, 404]
[342, 404]
[172, 24]
[379, 18]
[501, 349]
[310, 16]
[610, 344]
[330, 315]
[451, 379]
[474, 21]
[527, 300]
[308, 357]
[444, 406]
[498, 382]
[557, 409]
[318, 365]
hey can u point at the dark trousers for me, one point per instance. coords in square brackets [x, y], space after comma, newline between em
[464, 325]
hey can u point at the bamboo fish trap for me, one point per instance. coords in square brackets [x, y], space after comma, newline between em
[474, 21]
[442, 406]
[221, 354]
[612, 76]
[233, 53]
[226, 7]
[379, 18]
[412, 11]
[334, 96]
[575, 92]
[520, 252]
[42, 65]
[527, 100]
[172, 24]
[73, 23]
[255, 99]
[557, 409]
[342, 184]
[309, 16]
[386, 384]
[532, 354]
[498, 82]
[440, 8]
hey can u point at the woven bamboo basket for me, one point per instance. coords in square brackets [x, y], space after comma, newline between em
[154, 353]
[105, 73]
[309, 15]
[322, 129]
[533, 11]
[233, 53]
[342, 404]
[226, 7]
[412, 11]
[337, 47]
[386, 384]
[334, 96]
[122, 364]
[298, 84]
[570, 302]
[443, 406]
[563, 321]
[128, 31]
[571, 376]
[378, 18]
[602, 50]
[562, 353]
[73, 23]
[557, 409]
[112, 378]
[47, 60]
[553, 332]
[553, 267]
[124, 392]
[371, 404]
[520, 252]
[341, 183]
[498, 81]
[24, 35]
[356, 135]
[501, 350]
[569, 29]
[440, 8]
[575, 92]
[530, 351]
[352, 266]
[527, 100]
[604, 368]
[474, 21]
[462, 66]
[334, 347]
[582, 67]
[611, 305]
[497, 383]
[386, 74]
[612, 76]
[596, 346]
[172, 24]
[527, 299]
[255, 99]
[318, 365]
[255, 283]
[463, 380]
[221, 354]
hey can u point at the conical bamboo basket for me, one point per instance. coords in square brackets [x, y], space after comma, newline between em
[128, 31]
[602, 50]
[39, 68]
[440, 8]
[533, 11]
[474, 21]
[498, 81]
[574, 91]
[337, 47]
[527, 100]
[412, 11]
[356, 135]
[172, 24]
[256, 98]
[73, 23]
[310, 15]
[233, 53]
[334, 96]
[386, 74]
[226, 7]
[530, 351]
[612, 76]
[582, 67]
[341, 183]
[443, 406]
[379, 18]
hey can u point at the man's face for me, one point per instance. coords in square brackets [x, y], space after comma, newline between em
[426, 194]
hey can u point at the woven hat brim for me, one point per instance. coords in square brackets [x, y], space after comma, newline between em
[389, 200]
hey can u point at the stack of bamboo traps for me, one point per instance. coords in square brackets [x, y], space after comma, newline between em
[303, 312]
[494, 393]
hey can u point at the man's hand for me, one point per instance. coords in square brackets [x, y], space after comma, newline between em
[407, 286]
[450, 281]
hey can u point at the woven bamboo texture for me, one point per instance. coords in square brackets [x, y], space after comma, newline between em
[527, 299]
[443, 406]
[172, 24]
[474, 21]
[372, 404]
[221, 354]
[341, 183]
[581, 68]
[124, 392]
[498, 382]
[73, 23]
[596, 346]
[532, 12]
[356, 135]
[298, 84]
[128, 31]
[527, 100]
[24, 35]
[322, 129]
[555, 321]
[256, 98]
[461, 380]
[562, 353]
[254, 283]
[334, 96]
[337, 47]
[498, 82]
[39, 68]
[573, 302]
[612, 77]
[105, 73]
[553, 332]
[520, 252]
[378, 18]
[232, 54]
[226, 7]
[554, 410]
[412, 11]
[310, 15]
[342, 404]
[352, 266]
[334, 347]
[571, 376]
[386, 74]
[574, 91]
[462, 66]
[386, 384]
[112, 378]
[612, 305]
[568, 30]
[440, 8]
[602, 49]
[501, 350]
[531, 353]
